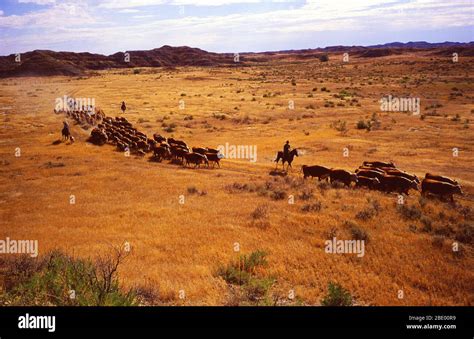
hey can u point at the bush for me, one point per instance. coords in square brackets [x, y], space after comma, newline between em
[361, 124]
[315, 207]
[358, 233]
[366, 214]
[340, 126]
[306, 195]
[409, 212]
[323, 58]
[260, 212]
[240, 272]
[278, 195]
[51, 281]
[337, 296]
[465, 234]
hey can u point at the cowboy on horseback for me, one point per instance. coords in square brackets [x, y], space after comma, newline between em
[66, 133]
[123, 107]
[287, 155]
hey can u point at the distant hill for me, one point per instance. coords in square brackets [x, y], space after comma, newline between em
[48, 63]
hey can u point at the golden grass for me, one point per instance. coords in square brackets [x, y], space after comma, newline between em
[179, 247]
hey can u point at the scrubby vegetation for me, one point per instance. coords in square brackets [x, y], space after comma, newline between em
[58, 279]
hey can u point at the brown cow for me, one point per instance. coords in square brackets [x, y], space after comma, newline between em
[196, 159]
[320, 172]
[371, 174]
[181, 143]
[161, 152]
[397, 172]
[392, 183]
[440, 178]
[178, 152]
[440, 188]
[372, 183]
[378, 164]
[214, 158]
[368, 168]
[158, 138]
[212, 150]
[343, 176]
[200, 150]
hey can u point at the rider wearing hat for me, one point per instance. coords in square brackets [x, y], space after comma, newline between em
[286, 149]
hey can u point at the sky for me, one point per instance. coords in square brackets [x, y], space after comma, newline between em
[110, 26]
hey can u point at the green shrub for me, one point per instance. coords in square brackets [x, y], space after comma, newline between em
[337, 296]
[61, 280]
[240, 272]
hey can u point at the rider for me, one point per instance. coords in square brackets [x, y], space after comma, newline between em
[123, 108]
[286, 149]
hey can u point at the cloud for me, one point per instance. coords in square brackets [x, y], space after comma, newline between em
[129, 10]
[37, 2]
[67, 14]
[97, 29]
[143, 3]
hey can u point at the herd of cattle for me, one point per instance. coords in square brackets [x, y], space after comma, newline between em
[376, 175]
[83, 116]
[121, 133]
[384, 176]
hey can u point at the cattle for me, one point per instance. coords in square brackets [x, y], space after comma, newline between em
[143, 146]
[343, 176]
[181, 143]
[200, 150]
[121, 146]
[178, 152]
[214, 158]
[98, 136]
[158, 137]
[378, 164]
[440, 188]
[141, 135]
[371, 174]
[212, 150]
[368, 168]
[372, 183]
[196, 159]
[320, 172]
[406, 175]
[151, 143]
[440, 178]
[161, 152]
[392, 183]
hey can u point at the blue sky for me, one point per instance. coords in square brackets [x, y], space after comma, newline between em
[109, 26]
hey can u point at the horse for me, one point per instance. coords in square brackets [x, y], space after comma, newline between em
[288, 159]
